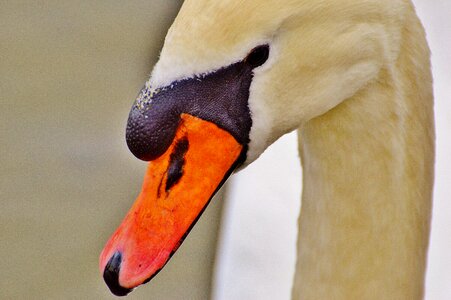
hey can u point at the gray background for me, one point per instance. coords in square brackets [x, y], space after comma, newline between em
[69, 71]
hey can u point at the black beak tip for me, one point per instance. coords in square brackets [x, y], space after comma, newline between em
[111, 275]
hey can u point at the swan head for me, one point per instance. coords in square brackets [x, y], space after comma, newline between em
[233, 76]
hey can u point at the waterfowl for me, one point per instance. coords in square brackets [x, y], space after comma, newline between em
[352, 77]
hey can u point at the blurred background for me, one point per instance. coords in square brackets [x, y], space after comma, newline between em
[69, 71]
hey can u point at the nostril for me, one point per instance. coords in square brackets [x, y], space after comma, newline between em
[111, 275]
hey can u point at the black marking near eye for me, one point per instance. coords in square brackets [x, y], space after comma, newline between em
[258, 56]
[220, 97]
[176, 163]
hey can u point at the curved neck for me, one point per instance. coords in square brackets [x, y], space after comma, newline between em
[367, 187]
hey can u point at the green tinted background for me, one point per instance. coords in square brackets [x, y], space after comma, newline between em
[69, 71]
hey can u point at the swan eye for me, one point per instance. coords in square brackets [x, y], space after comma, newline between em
[258, 56]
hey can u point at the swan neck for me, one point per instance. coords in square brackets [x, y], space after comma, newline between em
[367, 189]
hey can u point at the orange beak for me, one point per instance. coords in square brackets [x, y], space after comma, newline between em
[177, 187]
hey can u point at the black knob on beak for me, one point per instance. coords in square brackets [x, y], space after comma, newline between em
[151, 129]
[111, 275]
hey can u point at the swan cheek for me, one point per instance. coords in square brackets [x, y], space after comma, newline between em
[177, 187]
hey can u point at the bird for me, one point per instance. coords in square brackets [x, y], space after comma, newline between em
[353, 77]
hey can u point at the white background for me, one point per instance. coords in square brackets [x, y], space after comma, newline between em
[257, 248]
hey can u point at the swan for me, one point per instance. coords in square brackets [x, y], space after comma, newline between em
[352, 77]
